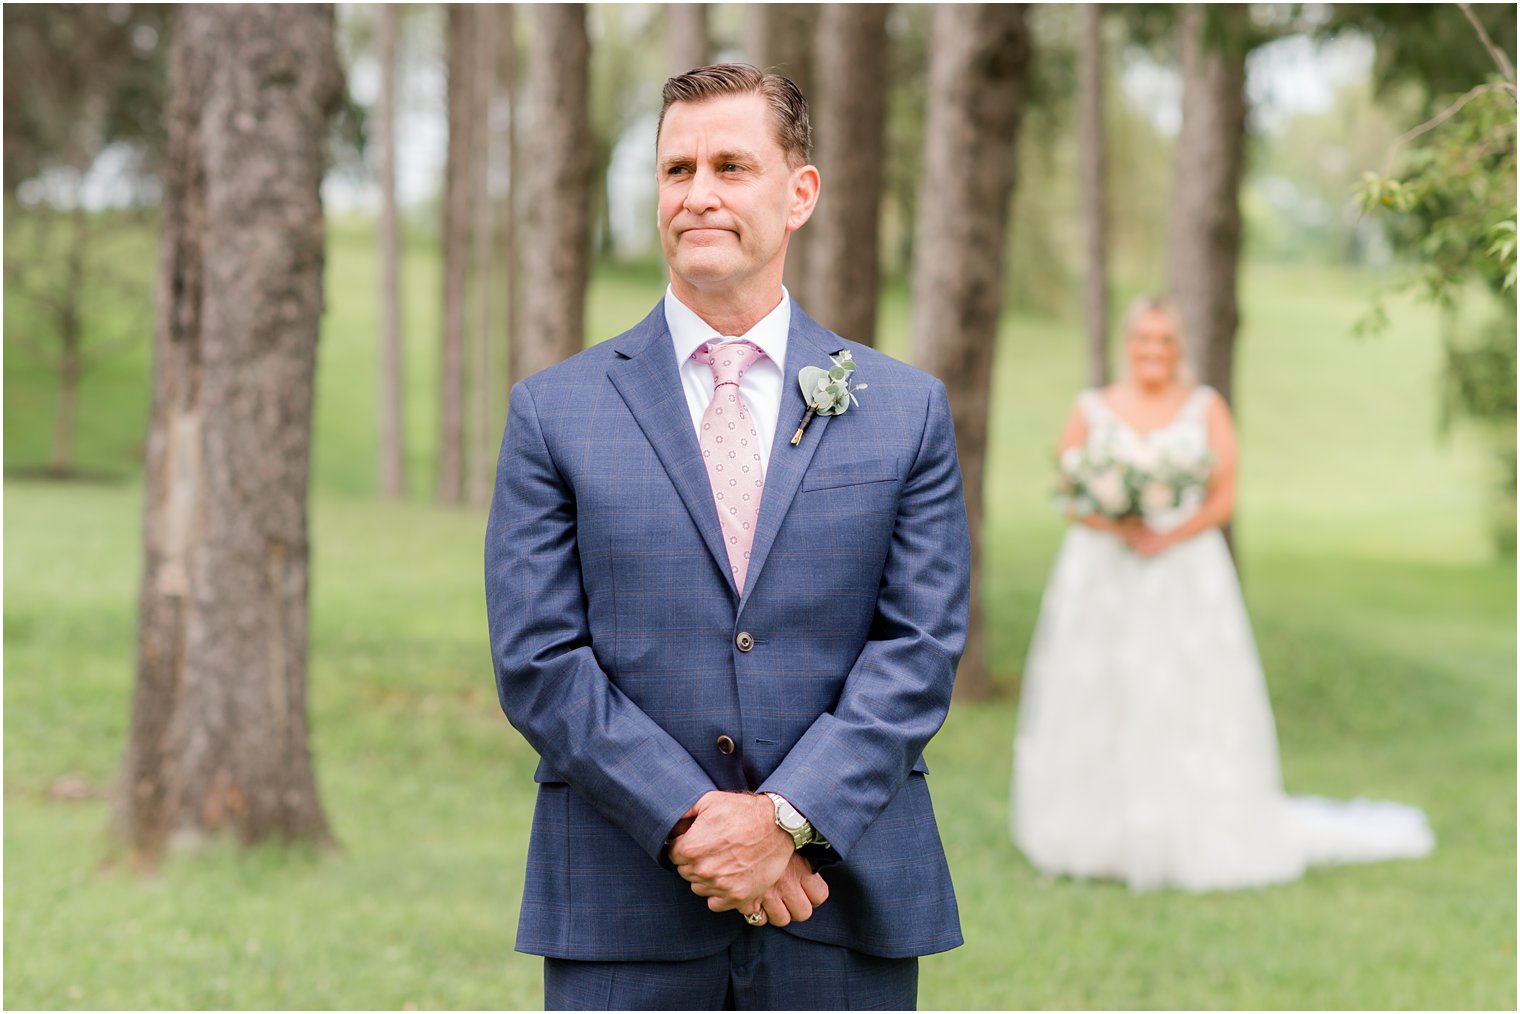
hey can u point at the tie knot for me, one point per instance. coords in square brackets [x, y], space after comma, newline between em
[728, 360]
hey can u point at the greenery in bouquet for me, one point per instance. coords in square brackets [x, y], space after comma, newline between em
[1118, 479]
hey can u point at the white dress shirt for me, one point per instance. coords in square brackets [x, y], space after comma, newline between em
[761, 387]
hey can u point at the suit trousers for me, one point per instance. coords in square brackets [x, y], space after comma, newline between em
[764, 969]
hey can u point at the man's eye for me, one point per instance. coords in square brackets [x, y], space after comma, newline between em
[732, 167]
[675, 170]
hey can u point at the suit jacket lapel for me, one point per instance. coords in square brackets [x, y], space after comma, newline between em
[808, 344]
[649, 381]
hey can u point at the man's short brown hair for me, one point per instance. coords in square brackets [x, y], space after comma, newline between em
[789, 109]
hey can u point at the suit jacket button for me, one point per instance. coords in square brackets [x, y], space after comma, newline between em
[745, 640]
[725, 745]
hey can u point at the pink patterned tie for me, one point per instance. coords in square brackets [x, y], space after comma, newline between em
[731, 450]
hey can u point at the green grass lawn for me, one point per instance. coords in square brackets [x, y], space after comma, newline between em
[1387, 635]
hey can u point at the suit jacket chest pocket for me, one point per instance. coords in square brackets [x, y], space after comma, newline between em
[858, 487]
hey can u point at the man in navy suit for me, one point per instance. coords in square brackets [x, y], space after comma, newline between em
[729, 624]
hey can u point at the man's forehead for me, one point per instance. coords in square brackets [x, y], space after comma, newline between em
[738, 122]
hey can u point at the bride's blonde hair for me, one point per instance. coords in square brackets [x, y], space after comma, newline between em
[1144, 306]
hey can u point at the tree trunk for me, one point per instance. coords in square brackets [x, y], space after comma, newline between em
[510, 215]
[456, 254]
[70, 369]
[851, 131]
[482, 454]
[781, 41]
[71, 348]
[1094, 158]
[686, 37]
[392, 417]
[558, 181]
[219, 731]
[1206, 207]
[978, 63]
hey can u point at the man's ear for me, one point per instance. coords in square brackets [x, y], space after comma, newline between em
[805, 183]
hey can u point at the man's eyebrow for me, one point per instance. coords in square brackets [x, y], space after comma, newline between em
[732, 155]
[736, 155]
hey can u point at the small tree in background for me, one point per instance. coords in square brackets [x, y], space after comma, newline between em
[1449, 186]
[392, 414]
[79, 79]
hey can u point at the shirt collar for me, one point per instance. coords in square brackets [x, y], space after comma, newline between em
[688, 331]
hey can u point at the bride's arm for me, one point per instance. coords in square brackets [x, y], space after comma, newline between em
[1075, 435]
[1219, 503]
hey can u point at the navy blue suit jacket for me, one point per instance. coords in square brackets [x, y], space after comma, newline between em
[614, 631]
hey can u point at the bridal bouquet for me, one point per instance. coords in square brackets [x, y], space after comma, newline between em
[1122, 479]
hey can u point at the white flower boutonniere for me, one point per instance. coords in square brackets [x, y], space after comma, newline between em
[827, 392]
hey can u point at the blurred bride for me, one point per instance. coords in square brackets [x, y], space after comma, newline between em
[1146, 749]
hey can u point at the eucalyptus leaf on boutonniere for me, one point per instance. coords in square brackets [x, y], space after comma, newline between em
[827, 392]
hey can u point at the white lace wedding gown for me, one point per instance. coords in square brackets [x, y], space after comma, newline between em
[1146, 749]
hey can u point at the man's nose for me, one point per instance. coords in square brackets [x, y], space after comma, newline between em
[702, 194]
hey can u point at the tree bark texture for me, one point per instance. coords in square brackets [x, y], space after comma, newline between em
[456, 253]
[978, 66]
[1094, 159]
[851, 158]
[686, 37]
[781, 41]
[1206, 210]
[219, 729]
[482, 448]
[557, 198]
[510, 216]
[392, 465]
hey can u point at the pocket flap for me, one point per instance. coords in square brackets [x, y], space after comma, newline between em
[851, 474]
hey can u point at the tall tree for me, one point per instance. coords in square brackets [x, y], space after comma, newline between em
[979, 62]
[219, 729]
[456, 253]
[485, 332]
[510, 218]
[780, 39]
[1094, 158]
[687, 41]
[392, 447]
[557, 182]
[1206, 227]
[850, 114]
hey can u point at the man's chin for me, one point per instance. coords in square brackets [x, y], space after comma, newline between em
[702, 271]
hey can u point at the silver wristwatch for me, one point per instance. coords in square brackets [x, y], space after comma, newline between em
[790, 820]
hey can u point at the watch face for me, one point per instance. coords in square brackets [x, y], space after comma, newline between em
[788, 816]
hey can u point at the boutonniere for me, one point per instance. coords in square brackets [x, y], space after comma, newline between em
[827, 392]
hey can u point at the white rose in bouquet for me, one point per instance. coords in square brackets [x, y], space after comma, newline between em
[1121, 477]
[1145, 457]
[1107, 488]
